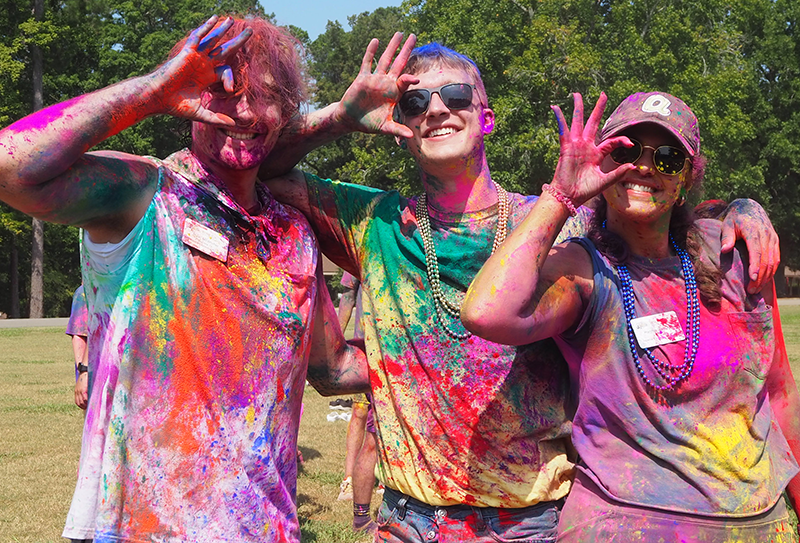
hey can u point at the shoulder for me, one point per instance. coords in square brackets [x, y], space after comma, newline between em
[316, 182]
[349, 198]
[521, 202]
[708, 236]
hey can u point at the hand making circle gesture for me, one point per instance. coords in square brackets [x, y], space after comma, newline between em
[182, 80]
[578, 173]
[369, 102]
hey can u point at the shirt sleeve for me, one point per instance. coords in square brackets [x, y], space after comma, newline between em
[340, 215]
[78, 324]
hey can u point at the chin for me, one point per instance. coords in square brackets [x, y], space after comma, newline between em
[233, 162]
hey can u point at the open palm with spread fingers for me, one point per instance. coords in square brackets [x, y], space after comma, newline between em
[578, 174]
[368, 103]
[183, 80]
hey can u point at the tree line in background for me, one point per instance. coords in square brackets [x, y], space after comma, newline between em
[736, 63]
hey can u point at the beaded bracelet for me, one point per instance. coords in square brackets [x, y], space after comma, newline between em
[561, 197]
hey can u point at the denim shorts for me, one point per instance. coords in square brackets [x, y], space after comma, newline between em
[404, 519]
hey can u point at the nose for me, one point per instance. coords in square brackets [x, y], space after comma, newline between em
[644, 164]
[436, 106]
[243, 110]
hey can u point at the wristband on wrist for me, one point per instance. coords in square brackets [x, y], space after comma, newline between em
[83, 368]
[561, 197]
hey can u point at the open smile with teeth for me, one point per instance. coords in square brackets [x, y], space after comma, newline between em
[440, 132]
[638, 188]
[240, 135]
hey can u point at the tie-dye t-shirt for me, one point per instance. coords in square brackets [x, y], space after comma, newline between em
[711, 446]
[459, 421]
[197, 369]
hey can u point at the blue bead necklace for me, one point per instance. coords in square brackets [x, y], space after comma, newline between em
[677, 373]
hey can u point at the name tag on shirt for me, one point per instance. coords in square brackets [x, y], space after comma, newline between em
[205, 240]
[654, 330]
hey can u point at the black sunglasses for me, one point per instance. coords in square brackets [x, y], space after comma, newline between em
[667, 159]
[454, 95]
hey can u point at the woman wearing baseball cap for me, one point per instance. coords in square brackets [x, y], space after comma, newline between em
[685, 418]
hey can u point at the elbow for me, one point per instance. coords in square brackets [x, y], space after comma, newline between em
[495, 322]
[479, 320]
[344, 372]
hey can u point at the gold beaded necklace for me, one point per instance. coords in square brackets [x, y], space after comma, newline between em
[432, 264]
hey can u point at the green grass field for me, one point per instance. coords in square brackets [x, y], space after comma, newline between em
[40, 428]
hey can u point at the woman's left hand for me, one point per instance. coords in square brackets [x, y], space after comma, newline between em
[578, 174]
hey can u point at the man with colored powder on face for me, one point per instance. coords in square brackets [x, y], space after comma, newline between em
[206, 301]
[473, 435]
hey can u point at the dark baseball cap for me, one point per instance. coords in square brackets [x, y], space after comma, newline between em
[659, 108]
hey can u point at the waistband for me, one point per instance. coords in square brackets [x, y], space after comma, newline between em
[403, 502]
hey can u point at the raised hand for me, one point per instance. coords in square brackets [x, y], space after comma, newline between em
[368, 103]
[182, 80]
[578, 174]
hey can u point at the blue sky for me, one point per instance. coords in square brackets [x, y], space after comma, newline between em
[313, 15]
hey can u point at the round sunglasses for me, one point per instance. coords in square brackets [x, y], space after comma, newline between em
[667, 159]
[454, 95]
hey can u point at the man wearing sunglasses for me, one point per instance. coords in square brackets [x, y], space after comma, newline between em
[473, 436]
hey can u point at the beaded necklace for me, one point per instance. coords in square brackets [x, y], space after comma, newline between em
[672, 374]
[442, 304]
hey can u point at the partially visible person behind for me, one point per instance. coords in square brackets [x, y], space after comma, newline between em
[78, 329]
[473, 435]
[686, 420]
[207, 301]
[361, 444]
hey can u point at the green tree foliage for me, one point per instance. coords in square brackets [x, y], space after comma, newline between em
[771, 46]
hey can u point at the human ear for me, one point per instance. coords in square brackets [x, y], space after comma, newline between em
[488, 120]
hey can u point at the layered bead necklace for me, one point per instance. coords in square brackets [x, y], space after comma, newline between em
[677, 373]
[442, 304]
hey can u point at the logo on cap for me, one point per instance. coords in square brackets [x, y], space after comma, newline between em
[657, 104]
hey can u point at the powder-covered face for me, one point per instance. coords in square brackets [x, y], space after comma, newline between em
[444, 138]
[645, 194]
[241, 147]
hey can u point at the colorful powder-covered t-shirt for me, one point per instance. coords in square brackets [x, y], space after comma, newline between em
[78, 324]
[711, 445]
[197, 367]
[459, 421]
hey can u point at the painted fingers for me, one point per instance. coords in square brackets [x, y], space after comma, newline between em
[206, 39]
[369, 102]
[385, 64]
[184, 81]
[578, 174]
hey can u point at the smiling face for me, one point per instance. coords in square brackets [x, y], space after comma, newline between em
[646, 195]
[445, 141]
[243, 147]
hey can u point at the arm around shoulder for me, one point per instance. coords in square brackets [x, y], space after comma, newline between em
[291, 189]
